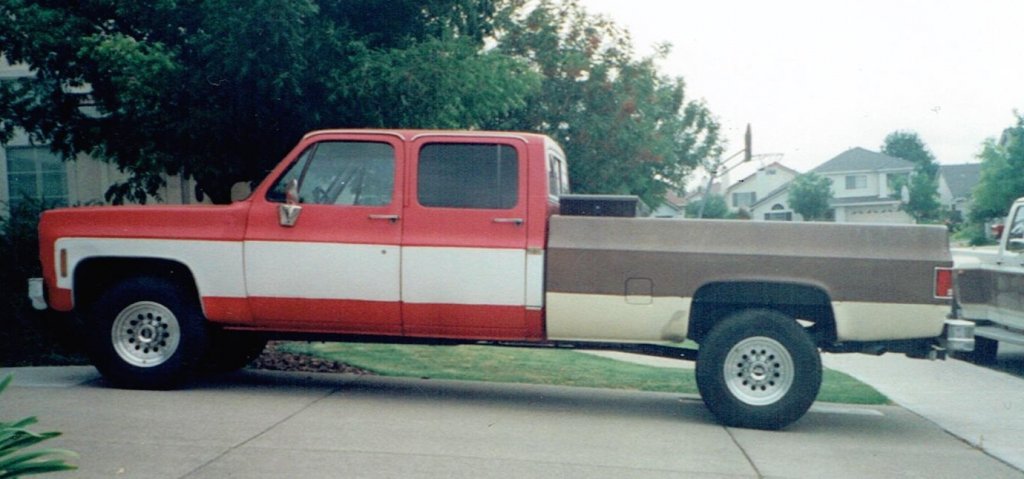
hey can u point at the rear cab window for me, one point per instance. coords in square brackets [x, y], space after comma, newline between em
[465, 175]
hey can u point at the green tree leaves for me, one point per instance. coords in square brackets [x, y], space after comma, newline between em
[923, 186]
[626, 128]
[1002, 174]
[809, 195]
[219, 93]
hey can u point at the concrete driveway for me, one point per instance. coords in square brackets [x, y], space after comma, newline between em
[257, 424]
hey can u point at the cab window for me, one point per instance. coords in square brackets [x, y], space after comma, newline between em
[461, 175]
[341, 173]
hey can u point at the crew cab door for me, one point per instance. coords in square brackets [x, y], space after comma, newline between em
[464, 238]
[336, 267]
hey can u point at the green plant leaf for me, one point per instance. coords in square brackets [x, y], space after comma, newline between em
[15, 437]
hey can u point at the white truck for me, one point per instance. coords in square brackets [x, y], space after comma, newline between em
[989, 288]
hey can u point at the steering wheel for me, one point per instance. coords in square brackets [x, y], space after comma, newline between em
[320, 196]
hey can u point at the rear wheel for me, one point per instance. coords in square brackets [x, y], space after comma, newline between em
[145, 332]
[758, 369]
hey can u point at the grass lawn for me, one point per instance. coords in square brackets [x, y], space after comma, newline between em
[542, 366]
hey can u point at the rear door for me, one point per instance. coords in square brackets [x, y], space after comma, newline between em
[464, 238]
[337, 268]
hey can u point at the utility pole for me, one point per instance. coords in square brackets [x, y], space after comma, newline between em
[713, 169]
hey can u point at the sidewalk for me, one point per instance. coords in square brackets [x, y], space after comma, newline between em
[983, 407]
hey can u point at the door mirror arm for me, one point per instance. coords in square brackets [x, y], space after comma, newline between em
[288, 212]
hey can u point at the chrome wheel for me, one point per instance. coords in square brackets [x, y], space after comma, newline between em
[758, 371]
[145, 334]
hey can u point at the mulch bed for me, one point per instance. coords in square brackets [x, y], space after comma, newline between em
[273, 358]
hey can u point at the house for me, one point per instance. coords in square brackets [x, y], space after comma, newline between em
[749, 193]
[673, 206]
[29, 170]
[956, 184]
[864, 186]
[774, 206]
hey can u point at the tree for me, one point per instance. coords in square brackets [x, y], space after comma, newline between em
[716, 208]
[219, 93]
[1002, 174]
[809, 196]
[923, 185]
[626, 128]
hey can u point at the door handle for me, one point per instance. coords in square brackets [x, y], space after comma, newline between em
[515, 221]
[391, 218]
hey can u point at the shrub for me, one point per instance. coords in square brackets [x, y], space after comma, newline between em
[27, 337]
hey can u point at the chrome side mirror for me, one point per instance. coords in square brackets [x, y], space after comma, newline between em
[1015, 245]
[288, 212]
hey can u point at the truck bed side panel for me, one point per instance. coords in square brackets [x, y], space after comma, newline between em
[637, 277]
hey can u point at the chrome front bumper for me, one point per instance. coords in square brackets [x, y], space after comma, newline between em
[958, 335]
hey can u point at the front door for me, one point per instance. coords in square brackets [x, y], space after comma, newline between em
[336, 269]
[464, 238]
[1009, 285]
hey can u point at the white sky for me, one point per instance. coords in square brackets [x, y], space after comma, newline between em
[815, 78]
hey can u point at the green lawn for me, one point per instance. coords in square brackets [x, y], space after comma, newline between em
[542, 366]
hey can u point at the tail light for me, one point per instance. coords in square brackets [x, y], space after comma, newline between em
[944, 283]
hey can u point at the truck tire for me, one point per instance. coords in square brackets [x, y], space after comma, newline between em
[758, 369]
[146, 333]
[231, 350]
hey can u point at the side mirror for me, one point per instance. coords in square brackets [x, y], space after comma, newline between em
[288, 212]
[1015, 245]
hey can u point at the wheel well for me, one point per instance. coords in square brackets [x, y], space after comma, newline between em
[810, 305]
[93, 276]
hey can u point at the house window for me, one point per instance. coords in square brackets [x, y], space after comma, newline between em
[740, 200]
[778, 213]
[35, 173]
[856, 182]
[779, 216]
[468, 176]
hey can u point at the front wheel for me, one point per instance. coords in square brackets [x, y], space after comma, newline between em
[758, 369]
[146, 333]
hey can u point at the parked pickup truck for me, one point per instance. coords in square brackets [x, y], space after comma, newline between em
[989, 288]
[456, 237]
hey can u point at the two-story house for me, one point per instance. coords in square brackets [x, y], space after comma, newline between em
[865, 186]
[752, 189]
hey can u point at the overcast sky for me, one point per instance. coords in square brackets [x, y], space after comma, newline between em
[815, 78]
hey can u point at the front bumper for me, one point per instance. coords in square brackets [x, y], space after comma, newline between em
[958, 336]
[37, 293]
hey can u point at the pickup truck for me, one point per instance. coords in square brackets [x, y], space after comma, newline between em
[447, 237]
[989, 288]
